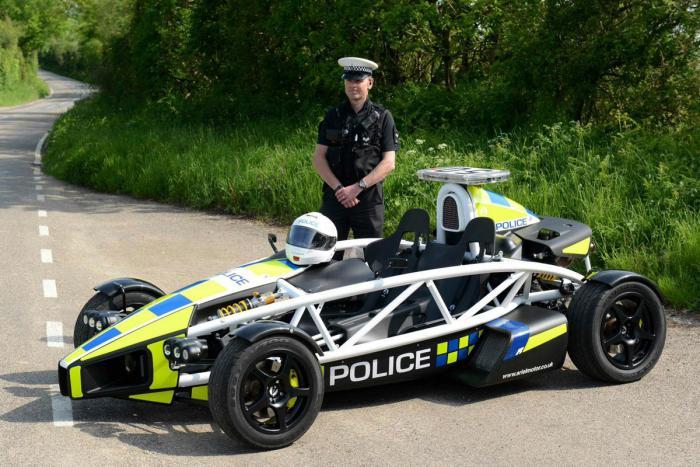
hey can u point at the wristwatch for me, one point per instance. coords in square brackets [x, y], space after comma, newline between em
[362, 184]
[335, 190]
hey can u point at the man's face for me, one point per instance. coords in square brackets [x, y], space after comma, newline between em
[357, 90]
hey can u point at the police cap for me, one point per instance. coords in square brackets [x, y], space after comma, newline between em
[357, 68]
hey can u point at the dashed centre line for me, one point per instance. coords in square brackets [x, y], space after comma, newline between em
[61, 407]
[43, 230]
[54, 334]
[46, 256]
[38, 187]
[41, 198]
[49, 286]
[42, 213]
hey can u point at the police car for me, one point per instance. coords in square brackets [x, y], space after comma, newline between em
[489, 295]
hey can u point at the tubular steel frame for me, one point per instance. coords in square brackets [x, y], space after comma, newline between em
[488, 308]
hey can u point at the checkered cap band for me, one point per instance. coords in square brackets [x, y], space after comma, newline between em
[362, 69]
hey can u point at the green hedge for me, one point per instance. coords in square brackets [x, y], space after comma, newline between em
[18, 80]
[472, 63]
[638, 188]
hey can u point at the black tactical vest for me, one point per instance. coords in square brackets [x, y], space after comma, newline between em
[355, 146]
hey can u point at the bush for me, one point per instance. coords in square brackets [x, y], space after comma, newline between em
[636, 187]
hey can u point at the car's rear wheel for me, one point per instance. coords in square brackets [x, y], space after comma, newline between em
[267, 393]
[616, 333]
[102, 302]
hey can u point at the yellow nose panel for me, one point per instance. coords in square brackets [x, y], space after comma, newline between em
[578, 248]
[204, 290]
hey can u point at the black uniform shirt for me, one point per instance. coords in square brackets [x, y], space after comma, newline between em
[356, 143]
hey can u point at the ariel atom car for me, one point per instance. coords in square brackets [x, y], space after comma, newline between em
[488, 296]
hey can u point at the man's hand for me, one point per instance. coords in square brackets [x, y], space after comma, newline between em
[347, 196]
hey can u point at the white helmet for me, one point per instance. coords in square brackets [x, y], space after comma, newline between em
[311, 239]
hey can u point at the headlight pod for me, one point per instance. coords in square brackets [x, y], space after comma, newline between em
[184, 350]
[99, 320]
[193, 352]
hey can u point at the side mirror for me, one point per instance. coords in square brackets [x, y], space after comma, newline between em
[397, 263]
[272, 239]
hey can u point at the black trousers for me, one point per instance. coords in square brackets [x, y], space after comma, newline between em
[365, 221]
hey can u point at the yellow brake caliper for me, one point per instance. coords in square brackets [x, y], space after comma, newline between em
[294, 381]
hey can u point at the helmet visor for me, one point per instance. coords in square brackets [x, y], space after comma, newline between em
[305, 237]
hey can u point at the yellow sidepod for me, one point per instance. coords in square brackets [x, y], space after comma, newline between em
[76, 388]
[162, 397]
[163, 376]
[200, 393]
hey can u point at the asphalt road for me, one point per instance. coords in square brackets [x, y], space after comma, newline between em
[556, 418]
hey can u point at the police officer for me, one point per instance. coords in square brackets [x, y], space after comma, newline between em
[355, 151]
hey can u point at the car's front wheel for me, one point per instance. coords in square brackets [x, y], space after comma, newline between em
[616, 333]
[267, 393]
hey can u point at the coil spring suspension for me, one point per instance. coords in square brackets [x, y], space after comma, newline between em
[257, 300]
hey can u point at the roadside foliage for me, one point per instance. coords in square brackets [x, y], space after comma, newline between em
[214, 104]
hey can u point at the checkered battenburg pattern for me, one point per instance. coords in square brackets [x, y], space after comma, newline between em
[456, 350]
[363, 69]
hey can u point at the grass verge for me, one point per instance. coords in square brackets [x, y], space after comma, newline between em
[23, 92]
[637, 188]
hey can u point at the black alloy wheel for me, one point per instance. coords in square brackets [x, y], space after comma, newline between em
[267, 393]
[626, 331]
[616, 334]
[275, 392]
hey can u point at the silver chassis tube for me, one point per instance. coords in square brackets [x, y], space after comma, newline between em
[519, 270]
[187, 380]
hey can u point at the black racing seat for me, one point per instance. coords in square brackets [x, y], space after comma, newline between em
[420, 310]
[379, 252]
[457, 292]
[480, 230]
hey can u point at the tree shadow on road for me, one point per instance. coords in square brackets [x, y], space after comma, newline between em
[187, 429]
[180, 429]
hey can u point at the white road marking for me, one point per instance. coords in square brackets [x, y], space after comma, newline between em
[44, 230]
[61, 407]
[37, 171]
[46, 256]
[37, 178]
[41, 198]
[38, 187]
[37, 150]
[42, 213]
[54, 334]
[49, 286]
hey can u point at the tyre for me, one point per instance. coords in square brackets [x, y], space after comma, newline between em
[100, 301]
[616, 333]
[267, 393]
